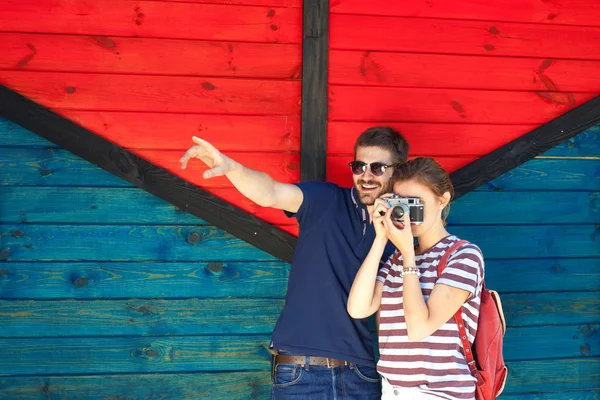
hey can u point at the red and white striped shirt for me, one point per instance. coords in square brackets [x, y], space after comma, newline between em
[435, 365]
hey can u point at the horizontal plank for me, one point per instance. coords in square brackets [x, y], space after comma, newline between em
[150, 317]
[156, 93]
[356, 103]
[375, 68]
[532, 241]
[50, 356]
[102, 205]
[273, 3]
[138, 317]
[549, 174]
[204, 243]
[37, 52]
[41, 356]
[156, 19]
[593, 394]
[530, 11]
[543, 207]
[32, 166]
[446, 36]
[124, 243]
[173, 280]
[550, 308]
[543, 375]
[240, 385]
[226, 132]
[543, 275]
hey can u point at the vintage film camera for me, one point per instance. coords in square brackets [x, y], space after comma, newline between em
[402, 205]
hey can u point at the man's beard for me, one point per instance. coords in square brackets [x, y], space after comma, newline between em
[368, 199]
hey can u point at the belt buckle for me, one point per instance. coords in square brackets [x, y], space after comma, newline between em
[327, 360]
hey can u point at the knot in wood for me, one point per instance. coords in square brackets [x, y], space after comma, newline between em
[215, 267]
[194, 237]
[81, 282]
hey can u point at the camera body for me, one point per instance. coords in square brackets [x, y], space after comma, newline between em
[403, 205]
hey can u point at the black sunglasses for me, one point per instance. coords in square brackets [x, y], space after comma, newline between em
[377, 168]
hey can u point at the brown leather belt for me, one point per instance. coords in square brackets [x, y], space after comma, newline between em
[301, 360]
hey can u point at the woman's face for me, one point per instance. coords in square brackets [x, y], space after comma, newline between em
[432, 204]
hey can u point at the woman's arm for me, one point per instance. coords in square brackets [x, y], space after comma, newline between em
[365, 296]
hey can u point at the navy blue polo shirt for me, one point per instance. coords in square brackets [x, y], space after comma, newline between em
[335, 237]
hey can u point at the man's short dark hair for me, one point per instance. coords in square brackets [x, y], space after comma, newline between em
[387, 138]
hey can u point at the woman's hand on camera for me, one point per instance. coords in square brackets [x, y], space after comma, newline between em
[400, 234]
[379, 214]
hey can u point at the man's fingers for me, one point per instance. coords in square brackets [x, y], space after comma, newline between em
[211, 173]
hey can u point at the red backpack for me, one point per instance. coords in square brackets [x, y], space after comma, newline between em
[485, 359]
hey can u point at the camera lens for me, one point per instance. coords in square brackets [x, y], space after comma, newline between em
[398, 213]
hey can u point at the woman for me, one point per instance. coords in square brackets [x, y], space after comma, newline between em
[421, 353]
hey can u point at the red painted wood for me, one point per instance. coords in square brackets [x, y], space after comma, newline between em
[339, 172]
[38, 52]
[569, 12]
[282, 167]
[462, 72]
[162, 131]
[154, 19]
[430, 139]
[358, 32]
[349, 103]
[157, 93]
[272, 3]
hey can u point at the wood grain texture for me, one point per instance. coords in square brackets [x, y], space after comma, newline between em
[401, 69]
[540, 207]
[374, 104]
[315, 61]
[541, 375]
[149, 317]
[123, 55]
[156, 93]
[125, 243]
[114, 280]
[447, 36]
[241, 385]
[137, 317]
[531, 11]
[135, 355]
[155, 19]
[105, 205]
[252, 385]
[206, 243]
[145, 175]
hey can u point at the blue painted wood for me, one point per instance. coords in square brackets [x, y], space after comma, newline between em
[571, 395]
[253, 385]
[173, 280]
[187, 243]
[543, 207]
[549, 174]
[140, 317]
[124, 243]
[543, 275]
[31, 318]
[92, 355]
[553, 375]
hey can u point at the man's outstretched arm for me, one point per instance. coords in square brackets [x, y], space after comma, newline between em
[255, 185]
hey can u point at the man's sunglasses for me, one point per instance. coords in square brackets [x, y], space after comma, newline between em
[377, 168]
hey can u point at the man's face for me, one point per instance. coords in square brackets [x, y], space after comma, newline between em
[369, 186]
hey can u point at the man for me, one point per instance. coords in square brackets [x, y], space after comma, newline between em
[320, 351]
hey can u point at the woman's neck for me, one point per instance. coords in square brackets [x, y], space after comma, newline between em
[430, 238]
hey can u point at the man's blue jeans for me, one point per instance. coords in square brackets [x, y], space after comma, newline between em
[352, 382]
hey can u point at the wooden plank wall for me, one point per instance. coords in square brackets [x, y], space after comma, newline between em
[108, 292]
[459, 80]
[148, 75]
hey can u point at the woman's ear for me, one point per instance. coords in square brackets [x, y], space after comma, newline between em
[445, 200]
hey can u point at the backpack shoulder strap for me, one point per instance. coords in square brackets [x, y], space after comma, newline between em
[462, 331]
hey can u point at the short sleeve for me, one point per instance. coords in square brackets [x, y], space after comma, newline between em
[318, 197]
[464, 270]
